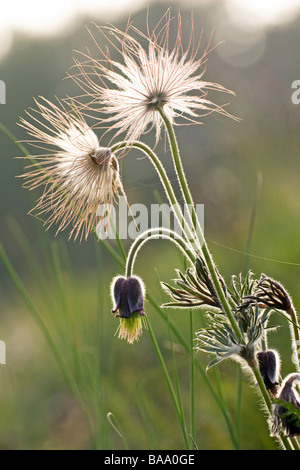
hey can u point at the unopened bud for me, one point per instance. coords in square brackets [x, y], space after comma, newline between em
[269, 367]
[287, 409]
[272, 294]
[128, 299]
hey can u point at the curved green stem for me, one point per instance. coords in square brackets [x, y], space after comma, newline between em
[201, 240]
[186, 230]
[154, 233]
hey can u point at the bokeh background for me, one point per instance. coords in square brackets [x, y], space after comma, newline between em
[245, 173]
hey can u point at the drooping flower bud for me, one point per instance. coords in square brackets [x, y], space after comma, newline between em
[128, 299]
[269, 366]
[287, 409]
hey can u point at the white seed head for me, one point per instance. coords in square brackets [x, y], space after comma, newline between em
[77, 174]
[148, 78]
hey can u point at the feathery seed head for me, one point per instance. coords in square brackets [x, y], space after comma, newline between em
[77, 174]
[147, 80]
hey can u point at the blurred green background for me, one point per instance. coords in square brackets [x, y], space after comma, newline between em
[224, 161]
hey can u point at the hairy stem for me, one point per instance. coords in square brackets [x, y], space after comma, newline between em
[151, 234]
[186, 230]
[197, 227]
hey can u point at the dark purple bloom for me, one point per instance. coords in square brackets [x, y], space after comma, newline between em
[269, 365]
[128, 296]
[287, 409]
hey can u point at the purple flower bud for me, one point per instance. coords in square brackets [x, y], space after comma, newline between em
[287, 409]
[269, 366]
[128, 299]
[128, 296]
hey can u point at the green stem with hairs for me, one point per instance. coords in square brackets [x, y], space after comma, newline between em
[190, 203]
[187, 232]
[151, 234]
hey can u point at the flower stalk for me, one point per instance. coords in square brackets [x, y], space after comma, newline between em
[151, 234]
[197, 227]
[188, 232]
